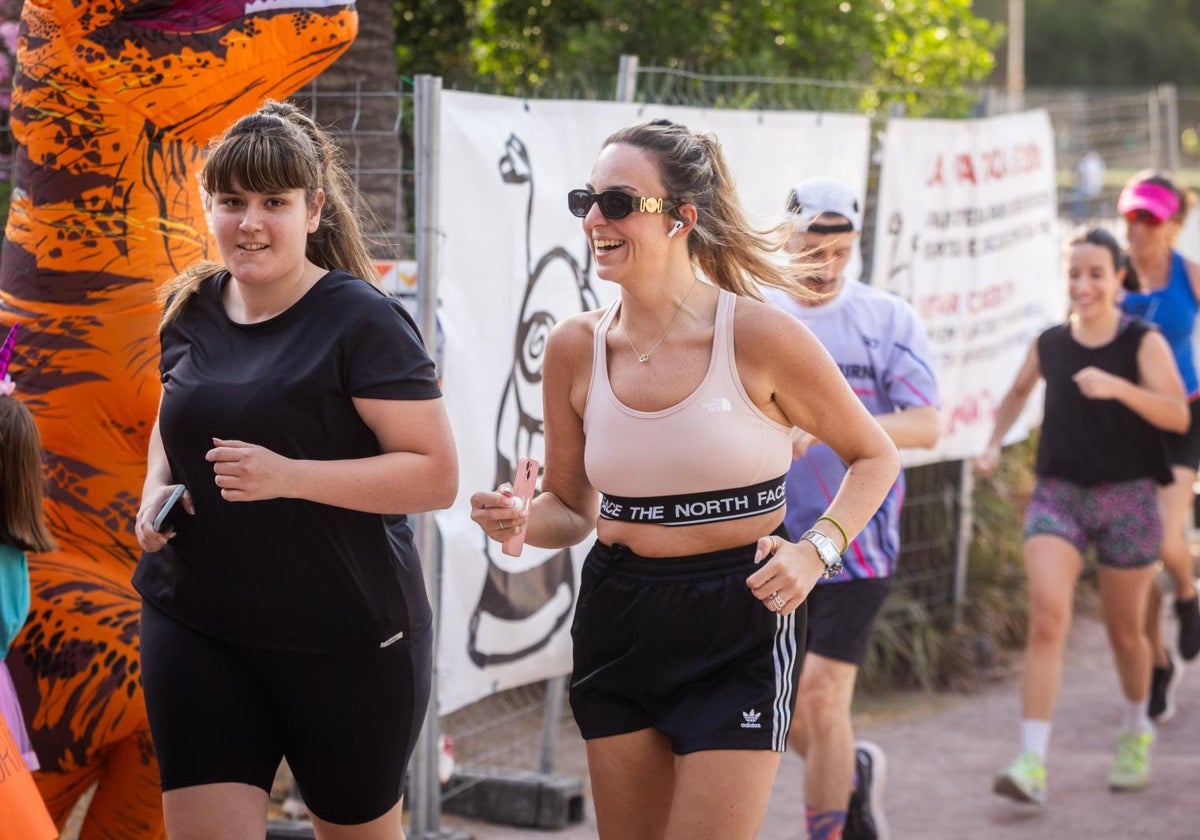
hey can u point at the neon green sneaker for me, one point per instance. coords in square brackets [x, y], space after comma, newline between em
[1131, 768]
[1024, 780]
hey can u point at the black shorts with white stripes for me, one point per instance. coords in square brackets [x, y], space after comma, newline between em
[681, 645]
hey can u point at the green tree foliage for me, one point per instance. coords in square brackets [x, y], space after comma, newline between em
[523, 46]
[1120, 43]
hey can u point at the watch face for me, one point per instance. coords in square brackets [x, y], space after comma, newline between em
[826, 550]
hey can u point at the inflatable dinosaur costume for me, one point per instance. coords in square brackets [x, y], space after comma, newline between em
[113, 103]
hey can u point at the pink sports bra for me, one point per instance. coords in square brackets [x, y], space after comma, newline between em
[715, 450]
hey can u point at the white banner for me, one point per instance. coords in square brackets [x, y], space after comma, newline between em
[966, 230]
[513, 263]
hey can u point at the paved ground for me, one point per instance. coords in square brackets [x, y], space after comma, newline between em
[944, 750]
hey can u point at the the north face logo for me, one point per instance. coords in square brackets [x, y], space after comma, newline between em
[717, 404]
[750, 720]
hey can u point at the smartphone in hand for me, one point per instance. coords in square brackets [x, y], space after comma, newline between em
[167, 516]
[523, 485]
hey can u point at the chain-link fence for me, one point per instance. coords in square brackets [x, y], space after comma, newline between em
[1103, 137]
[374, 129]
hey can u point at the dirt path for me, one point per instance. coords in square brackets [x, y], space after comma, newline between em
[943, 752]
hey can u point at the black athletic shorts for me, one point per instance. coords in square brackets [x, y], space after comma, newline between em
[841, 615]
[222, 712]
[1184, 450]
[681, 645]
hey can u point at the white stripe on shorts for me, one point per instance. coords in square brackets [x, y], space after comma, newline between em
[785, 662]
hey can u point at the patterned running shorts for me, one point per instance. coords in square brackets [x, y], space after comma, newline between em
[1120, 519]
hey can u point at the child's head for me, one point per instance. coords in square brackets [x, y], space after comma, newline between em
[1095, 269]
[21, 481]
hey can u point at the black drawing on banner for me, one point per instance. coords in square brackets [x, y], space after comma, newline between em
[900, 265]
[525, 600]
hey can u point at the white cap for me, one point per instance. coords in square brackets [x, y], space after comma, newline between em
[816, 196]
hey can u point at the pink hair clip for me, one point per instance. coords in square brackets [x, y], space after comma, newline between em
[7, 386]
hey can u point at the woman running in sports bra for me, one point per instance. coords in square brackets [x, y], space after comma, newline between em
[668, 432]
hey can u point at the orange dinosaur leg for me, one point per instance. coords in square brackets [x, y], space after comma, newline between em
[128, 800]
[61, 791]
[76, 669]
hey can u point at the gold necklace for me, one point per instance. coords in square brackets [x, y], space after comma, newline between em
[645, 357]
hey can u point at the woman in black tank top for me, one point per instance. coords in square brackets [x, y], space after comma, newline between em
[1111, 390]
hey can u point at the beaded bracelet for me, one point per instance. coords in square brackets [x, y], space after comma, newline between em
[841, 530]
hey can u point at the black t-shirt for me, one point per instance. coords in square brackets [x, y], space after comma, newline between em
[1090, 442]
[287, 573]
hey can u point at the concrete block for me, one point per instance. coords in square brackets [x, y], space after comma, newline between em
[302, 830]
[514, 797]
[289, 830]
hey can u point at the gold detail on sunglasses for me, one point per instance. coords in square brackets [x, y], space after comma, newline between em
[650, 205]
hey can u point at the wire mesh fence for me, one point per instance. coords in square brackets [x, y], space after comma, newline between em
[1103, 137]
[374, 129]
[749, 91]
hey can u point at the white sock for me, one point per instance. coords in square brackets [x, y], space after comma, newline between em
[1035, 736]
[1136, 719]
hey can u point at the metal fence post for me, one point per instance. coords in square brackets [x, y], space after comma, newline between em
[1169, 96]
[962, 543]
[425, 807]
[1154, 106]
[551, 722]
[627, 72]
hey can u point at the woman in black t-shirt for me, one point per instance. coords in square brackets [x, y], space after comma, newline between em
[1111, 386]
[284, 612]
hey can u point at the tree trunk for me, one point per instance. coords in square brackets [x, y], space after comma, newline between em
[360, 97]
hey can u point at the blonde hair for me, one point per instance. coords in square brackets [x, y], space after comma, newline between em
[21, 480]
[723, 244]
[276, 149]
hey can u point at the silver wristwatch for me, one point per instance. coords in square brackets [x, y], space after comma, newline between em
[826, 550]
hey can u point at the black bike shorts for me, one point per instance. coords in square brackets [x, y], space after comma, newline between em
[222, 712]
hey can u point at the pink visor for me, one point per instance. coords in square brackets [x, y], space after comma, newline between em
[1160, 202]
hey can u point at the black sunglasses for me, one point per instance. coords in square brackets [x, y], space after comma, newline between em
[615, 204]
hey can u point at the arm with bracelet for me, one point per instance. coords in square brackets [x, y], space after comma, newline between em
[827, 548]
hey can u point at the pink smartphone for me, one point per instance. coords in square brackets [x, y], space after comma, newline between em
[523, 485]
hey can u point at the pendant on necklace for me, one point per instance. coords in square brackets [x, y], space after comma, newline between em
[644, 357]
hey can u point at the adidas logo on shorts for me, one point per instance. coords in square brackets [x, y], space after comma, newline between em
[750, 720]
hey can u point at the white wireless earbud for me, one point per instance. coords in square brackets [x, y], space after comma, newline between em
[674, 230]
